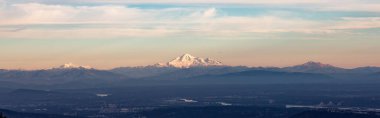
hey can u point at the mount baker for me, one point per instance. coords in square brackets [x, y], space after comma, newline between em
[187, 61]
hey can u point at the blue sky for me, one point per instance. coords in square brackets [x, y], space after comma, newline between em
[110, 33]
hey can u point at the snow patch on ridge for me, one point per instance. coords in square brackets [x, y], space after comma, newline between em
[72, 66]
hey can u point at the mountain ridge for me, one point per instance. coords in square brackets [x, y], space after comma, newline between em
[182, 67]
[187, 61]
[315, 67]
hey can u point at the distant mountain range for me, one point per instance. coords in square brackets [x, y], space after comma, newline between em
[57, 75]
[190, 67]
[314, 67]
[317, 67]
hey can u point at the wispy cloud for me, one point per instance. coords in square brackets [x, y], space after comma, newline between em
[183, 1]
[339, 5]
[123, 21]
[16, 29]
[350, 6]
[358, 23]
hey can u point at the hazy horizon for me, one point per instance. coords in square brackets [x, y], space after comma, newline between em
[36, 34]
[89, 66]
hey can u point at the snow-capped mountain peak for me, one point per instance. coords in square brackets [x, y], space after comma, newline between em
[316, 64]
[71, 66]
[187, 60]
[185, 57]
